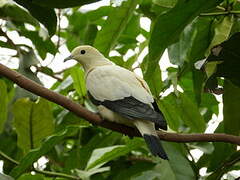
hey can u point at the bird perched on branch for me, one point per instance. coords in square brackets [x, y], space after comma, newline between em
[121, 96]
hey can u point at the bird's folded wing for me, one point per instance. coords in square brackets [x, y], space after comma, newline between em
[131, 108]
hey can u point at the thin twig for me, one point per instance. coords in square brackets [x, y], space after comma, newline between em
[219, 13]
[39, 69]
[58, 34]
[5, 156]
[56, 174]
[93, 118]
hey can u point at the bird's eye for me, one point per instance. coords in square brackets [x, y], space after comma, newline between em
[83, 51]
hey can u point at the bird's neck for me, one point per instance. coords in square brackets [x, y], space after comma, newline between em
[93, 64]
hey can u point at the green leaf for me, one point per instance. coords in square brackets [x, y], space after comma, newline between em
[178, 162]
[222, 29]
[188, 48]
[149, 175]
[15, 13]
[99, 13]
[170, 110]
[79, 81]
[175, 54]
[26, 60]
[4, 44]
[31, 177]
[5, 177]
[114, 26]
[103, 155]
[65, 85]
[90, 34]
[44, 15]
[231, 104]
[205, 147]
[191, 114]
[199, 31]
[83, 174]
[165, 33]
[43, 46]
[35, 154]
[133, 171]
[221, 152]
[225, 166]
[227, 59]
[33, 122]
[131, 32]
[182, 109]
[155, 83]
[3, 104]
[78, 33]
[62, 3]
[165, 3]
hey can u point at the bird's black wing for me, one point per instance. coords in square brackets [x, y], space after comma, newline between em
[156, 108]
[131, 108]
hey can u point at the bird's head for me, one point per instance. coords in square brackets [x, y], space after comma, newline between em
[84, 54]
[89, 57]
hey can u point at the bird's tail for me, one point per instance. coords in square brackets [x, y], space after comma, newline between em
[155, 146]
[150, 136]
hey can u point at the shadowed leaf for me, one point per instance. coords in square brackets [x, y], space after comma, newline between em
[165, 33]
[114, 26]
[35, 154]
[44, 15]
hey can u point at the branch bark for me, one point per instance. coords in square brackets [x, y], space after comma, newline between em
[93, 118]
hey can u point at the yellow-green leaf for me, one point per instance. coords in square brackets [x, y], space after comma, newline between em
[33, 122]
[3, 103]
[78, 81]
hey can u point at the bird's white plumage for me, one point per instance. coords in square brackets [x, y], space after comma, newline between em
[107, 81]
[111, 82]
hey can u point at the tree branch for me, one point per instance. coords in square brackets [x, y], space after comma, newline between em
[96, 120]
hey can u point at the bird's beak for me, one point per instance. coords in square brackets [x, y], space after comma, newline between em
[68, 58]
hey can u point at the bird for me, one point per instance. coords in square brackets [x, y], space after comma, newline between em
[121, 96]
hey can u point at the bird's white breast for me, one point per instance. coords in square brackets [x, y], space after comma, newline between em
[112, 82]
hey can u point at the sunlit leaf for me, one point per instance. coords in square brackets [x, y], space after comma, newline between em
[85, 174]
[79, 81]
[103, 155]
[222, 29]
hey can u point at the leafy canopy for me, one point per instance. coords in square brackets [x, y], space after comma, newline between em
[201, 39]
